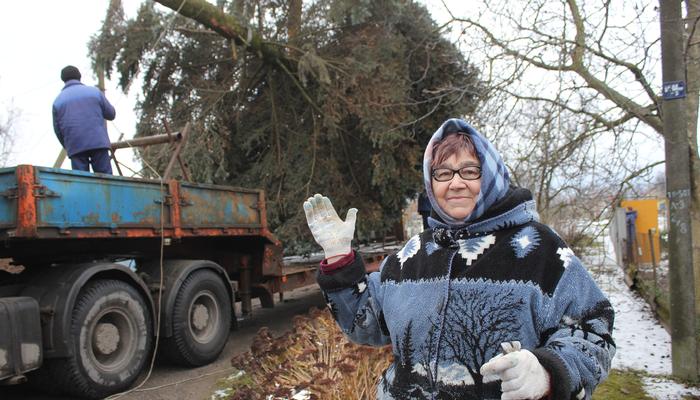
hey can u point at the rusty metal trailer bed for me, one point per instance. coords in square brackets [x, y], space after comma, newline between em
[106, 257]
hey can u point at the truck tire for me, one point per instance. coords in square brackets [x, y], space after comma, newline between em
[201, 320]
[111, 333]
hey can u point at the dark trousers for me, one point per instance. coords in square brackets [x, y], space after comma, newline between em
[98, 158]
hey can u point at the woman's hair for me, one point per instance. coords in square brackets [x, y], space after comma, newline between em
[452, 145]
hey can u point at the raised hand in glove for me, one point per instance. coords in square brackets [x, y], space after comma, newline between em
[329, 231]
[522, 376]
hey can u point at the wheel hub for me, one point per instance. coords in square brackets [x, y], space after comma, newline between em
[106, 338]
[200, 316]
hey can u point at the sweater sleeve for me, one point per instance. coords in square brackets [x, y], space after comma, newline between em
[577, 344]
[354, 298]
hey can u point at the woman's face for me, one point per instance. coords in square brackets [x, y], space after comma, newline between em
[457, 197]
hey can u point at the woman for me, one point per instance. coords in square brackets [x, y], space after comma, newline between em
[487, 279]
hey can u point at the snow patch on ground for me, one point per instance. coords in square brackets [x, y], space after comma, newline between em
[221, 394]
[642, 343]
[663, 389]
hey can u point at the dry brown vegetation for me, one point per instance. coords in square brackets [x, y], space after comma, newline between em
[315, 357]
[6, 266]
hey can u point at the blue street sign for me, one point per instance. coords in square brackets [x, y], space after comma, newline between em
[674, 90]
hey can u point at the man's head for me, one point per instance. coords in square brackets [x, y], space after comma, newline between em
[70, 72]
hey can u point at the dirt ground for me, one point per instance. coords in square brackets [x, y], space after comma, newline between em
[168, 382]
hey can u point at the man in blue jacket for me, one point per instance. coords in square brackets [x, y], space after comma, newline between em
[79, 112]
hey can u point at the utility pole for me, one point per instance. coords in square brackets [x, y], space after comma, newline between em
[684, 351]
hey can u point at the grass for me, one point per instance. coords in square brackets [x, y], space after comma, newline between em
[628, 385]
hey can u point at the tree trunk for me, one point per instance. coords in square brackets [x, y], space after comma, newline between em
[227, 26]
[294, 19]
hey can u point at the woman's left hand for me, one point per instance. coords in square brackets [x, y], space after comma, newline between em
[522, 376]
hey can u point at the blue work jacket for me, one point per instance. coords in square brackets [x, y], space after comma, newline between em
[79, 112]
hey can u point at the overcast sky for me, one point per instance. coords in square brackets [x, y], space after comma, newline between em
[37, 39]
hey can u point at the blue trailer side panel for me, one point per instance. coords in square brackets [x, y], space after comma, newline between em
[216, 206]
[8, 185]
[46, 203]
[83, 199]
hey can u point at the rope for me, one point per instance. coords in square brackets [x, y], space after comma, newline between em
[162, 234]
[138, 69]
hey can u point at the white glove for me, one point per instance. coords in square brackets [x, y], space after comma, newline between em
[329, 231]
[522, 376]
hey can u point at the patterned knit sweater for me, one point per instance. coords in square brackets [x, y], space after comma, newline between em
[450, 297]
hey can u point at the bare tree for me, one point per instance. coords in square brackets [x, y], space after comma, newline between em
[575, 92]
[574, 174]
[7, 136]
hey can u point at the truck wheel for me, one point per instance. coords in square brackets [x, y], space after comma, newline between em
[201, 320]
[112, 332]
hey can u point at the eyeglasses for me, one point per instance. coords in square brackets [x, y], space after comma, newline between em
[469, 173]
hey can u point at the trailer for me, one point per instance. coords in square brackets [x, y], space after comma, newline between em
[110, 263]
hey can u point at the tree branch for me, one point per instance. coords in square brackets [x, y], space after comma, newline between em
[578, 66]
[227, 26]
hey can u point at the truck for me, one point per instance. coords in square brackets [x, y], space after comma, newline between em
[108, 265]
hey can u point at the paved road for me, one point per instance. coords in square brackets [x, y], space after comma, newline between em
[177, 383]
